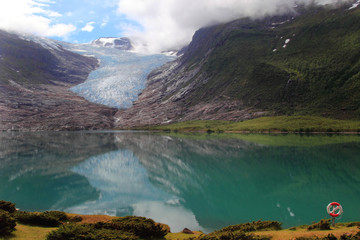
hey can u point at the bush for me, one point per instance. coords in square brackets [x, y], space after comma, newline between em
[7, 223]
[127, 228]
[87, 232]
[46, 219]
[239, 235]
[324, 224]
[7, 206]
[253, 226]
[140, 226]
[350, 236]
[240, 231]
[60, 216]
[76, 218]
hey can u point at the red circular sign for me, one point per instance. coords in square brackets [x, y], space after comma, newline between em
[334, 209]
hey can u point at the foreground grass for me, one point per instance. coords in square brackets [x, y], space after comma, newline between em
[267, 124]
[286, 234]
[24, 232]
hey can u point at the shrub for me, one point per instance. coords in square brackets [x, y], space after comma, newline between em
[239, 235]
[7, 223]
[87, 232]
[329, 237]
[76, 218]
[60, 216]
[240, 231]
[140, 226]
[254, 226]
[350, 236]
[46, 219]
[7, 206]
[127, 228]
[324, 224]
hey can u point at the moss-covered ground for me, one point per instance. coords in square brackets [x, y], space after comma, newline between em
[267, 124]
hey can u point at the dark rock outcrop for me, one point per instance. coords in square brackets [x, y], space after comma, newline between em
[34, 83]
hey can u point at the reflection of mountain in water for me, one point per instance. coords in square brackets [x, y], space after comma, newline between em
[34, 168]
[202, 183]
[126, 190]
[228, 181]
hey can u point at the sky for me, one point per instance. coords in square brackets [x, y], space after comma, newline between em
[154, 25]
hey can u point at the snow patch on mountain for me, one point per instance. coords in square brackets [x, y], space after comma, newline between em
[111, 42]
[286, 43]
[355, 5]
[46, 43]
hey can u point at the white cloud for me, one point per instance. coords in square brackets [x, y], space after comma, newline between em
[32, 17]
[105, 21]
[88, 27]
[171, 24]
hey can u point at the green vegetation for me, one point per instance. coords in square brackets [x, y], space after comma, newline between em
[241, 231]
[119, 228]
[45, 219]
[7, 223]
[267, 124]
[87, 232]
[7, 206]
[131, 228]
[324, 224]
[332, 237]
[317, 73]
[25, 232]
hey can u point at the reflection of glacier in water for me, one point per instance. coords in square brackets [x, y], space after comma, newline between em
[125, 189]
[120, 77]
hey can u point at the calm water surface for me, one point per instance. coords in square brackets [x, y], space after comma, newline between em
[202, 182]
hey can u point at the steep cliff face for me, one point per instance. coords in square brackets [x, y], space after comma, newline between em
[34, 82]
[306, 62]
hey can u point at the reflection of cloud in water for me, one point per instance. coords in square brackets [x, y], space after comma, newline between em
[176, 216]
[125, 189]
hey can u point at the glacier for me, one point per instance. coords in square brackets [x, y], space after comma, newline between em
[121, 76]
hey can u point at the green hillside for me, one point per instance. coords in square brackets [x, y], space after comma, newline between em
[317, 73]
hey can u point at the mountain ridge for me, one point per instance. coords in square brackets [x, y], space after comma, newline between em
[232, 71]
[122, 43]
[34, 83]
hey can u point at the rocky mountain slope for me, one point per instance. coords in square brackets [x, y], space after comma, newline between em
[34, 79]
[111, 42]
[305, 62]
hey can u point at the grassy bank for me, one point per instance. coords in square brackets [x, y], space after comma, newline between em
[267, 124]
[25, 232]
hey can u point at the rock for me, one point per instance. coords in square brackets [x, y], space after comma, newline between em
[187, 231]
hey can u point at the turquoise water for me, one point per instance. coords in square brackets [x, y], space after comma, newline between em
[202, 182]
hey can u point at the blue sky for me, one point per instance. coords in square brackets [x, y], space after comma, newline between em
[154, 25]
[69, 20]
[92, 19]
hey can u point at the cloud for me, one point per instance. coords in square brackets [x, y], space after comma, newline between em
[170, 24]
[32, 17]
[88, 27]
[105, 21]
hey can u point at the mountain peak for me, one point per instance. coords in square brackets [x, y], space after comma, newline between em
[122, 43]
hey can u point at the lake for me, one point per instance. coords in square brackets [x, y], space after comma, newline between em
[199, 181]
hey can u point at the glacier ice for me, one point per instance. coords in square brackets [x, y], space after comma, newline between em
[121, 76]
